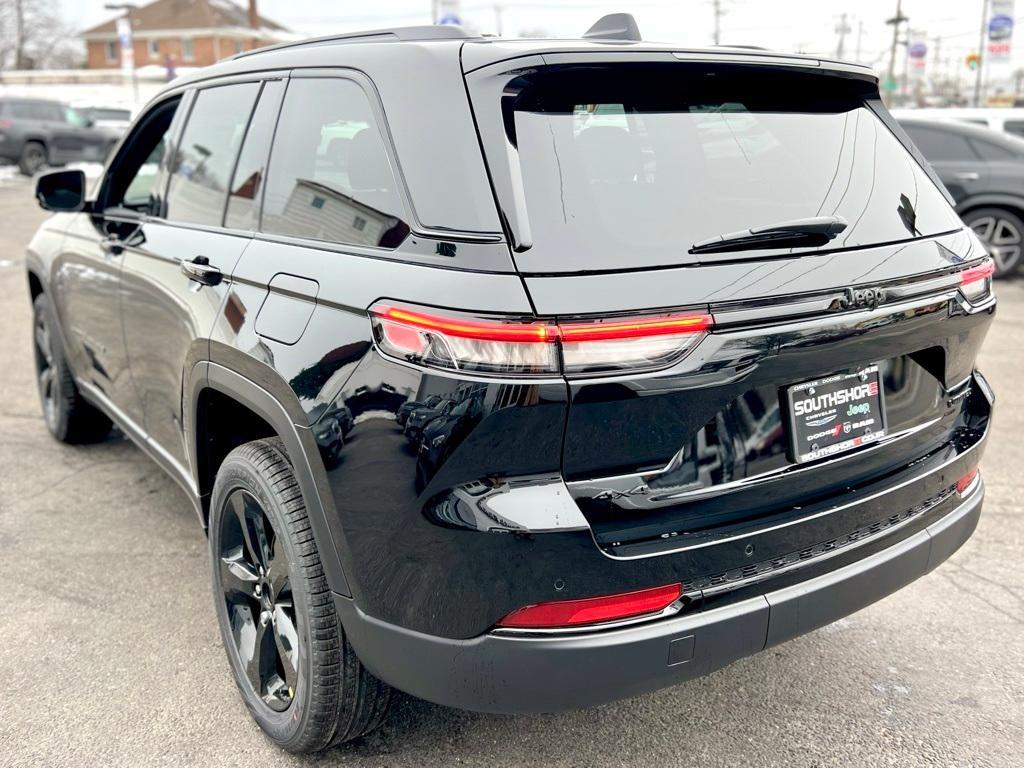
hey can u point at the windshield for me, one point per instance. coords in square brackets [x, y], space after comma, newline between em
[628, 166]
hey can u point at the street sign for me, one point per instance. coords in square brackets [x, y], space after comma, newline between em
[1000, 30]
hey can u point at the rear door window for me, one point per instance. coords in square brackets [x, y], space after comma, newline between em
[330, 177]
[627, 166]
[206, 154]
[939, 145]
[247, 183]
[990, 150]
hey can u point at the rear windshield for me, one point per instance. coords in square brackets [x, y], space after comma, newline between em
[627, 166]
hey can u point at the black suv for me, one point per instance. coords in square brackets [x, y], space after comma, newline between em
[35, 133]
[711, 316]
[984, 172]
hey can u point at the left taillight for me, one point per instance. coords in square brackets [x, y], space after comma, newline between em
[459, 341]
[976, 282]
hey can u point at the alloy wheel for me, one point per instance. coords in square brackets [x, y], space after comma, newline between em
[1002, 239]
[46, 371]
[257, 592]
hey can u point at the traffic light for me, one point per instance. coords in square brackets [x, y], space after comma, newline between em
[973, 61]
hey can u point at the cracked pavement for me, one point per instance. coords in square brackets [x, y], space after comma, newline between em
[111, 653]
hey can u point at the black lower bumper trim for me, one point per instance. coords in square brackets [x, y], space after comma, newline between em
[508, 674]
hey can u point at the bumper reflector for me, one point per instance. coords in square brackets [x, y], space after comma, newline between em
[965, 482]
[593, 610]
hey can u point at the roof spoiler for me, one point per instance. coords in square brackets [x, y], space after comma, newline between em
[614, 26]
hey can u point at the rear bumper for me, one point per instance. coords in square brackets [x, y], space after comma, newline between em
[508, 674]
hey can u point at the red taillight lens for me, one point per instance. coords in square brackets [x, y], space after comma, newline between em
[593, 610]
[631, 343]
[462, 342]
[976, 282]
[965, 482]
[5, 124]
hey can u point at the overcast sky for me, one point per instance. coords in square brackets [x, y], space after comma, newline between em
[787, 25]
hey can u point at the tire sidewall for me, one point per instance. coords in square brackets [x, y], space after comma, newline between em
[58, 427]
[239, 473]
[24, 159]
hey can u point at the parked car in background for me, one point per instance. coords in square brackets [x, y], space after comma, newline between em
[422, 416]
[35, 133]
[984, 172]
[110, 118]
[402, 414]
[1004, 119]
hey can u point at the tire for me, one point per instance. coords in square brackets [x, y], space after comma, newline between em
[68, 416]
[32, 159]
[1002, 232]
[306, 689]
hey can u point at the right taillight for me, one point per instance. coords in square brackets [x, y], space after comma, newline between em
[976, 282]
[520, 347]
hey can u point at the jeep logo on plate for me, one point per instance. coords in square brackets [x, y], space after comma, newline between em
[869, 297]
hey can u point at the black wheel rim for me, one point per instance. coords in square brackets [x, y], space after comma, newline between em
[46, 371]
[257, 593]
[1002, 239]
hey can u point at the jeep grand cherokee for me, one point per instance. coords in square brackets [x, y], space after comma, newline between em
[706, 320]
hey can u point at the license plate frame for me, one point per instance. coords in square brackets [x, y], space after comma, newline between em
[835, 414]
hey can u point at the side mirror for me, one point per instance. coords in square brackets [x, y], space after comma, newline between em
[62, 191]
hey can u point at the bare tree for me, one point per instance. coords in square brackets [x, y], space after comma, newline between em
[33, 36]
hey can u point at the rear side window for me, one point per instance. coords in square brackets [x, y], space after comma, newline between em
[990, 150]
[1016, 127]
[627, 166]
[206, 154]
[938, 145]
[35, 110]
[330, 177]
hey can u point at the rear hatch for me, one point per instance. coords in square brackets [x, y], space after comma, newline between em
[834, 362]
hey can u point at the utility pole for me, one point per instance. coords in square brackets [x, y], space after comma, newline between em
[896, 20]
[842, 29]
[860, 35]
[497, 18]
[19, 35]
[937, 86]
[719, 12]
[981, 53]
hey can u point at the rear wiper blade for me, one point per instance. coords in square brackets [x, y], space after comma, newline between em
[786, 234]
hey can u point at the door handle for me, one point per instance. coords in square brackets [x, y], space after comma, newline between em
[200, 271]
[967, 176]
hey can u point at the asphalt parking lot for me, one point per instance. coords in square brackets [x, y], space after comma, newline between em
[110, 655]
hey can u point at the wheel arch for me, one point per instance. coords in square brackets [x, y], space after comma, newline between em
[1010, 202]
[218, 386]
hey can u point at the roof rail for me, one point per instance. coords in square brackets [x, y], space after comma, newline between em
[614, 26]
[423, 32]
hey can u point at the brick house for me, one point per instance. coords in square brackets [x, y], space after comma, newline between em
[194, 33]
